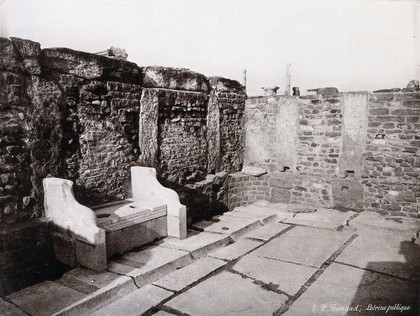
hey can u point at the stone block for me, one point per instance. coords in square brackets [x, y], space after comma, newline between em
[319, 245]
[91, 256]
[287, 277]
[234, 227]
[45, 298]
[253, 171]
[266, 232]
[89, 66]
[236, 250]
[227, 293]
[220, 84]
[29, 52]
[322, 218]
[10, 60]
[199, 244]
[151, 264]
[136, 303]
[87, 281]
[173, 78]
[192, 273]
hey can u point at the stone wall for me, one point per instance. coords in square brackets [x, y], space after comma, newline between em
[89, 118]
[350, 150]
[245, 189]
[391, 164]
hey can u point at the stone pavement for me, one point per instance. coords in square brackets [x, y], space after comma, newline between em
[261, 259]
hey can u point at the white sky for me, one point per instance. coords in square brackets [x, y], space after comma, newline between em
[350, 44]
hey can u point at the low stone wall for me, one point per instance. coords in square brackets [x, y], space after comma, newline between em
[245, 189]
[26, 255]
[350, 150]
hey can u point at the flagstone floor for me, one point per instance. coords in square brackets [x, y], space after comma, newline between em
[260, 259]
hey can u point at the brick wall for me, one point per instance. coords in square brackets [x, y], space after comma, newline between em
[350, 151]
[245, 189]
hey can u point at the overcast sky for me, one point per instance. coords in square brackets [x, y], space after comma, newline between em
[350, 44]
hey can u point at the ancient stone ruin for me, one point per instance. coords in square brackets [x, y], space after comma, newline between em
[88, 119]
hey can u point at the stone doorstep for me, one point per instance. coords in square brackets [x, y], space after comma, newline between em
[236, 250]
[150, 264]
[136, 303]
[87, 281]
[113, 291]
[199, 245]
[184, 277]
[234, 227]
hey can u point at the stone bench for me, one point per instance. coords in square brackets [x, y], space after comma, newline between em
[88, 236]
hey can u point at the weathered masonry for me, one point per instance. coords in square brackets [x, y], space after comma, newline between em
[349, 150]
[89, 118]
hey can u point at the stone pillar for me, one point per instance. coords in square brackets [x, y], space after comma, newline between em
[354, 130]
[148, 128]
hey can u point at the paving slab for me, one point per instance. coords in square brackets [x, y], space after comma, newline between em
[7, 309]
[266, 232]
[182, 278]
[262, 218]
[304, 245]
[234, 227]
[236, 250]
[288, 277]
[87, 281]
[150, 264]
[384, 251]
[45, 298]
[105, 295]
[201, 225]
[136, 303]
[371, 220]
[346, 290]
[322, 218]
[227, 294]
[199, 244]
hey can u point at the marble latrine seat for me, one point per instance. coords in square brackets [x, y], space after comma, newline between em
[88, 236]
